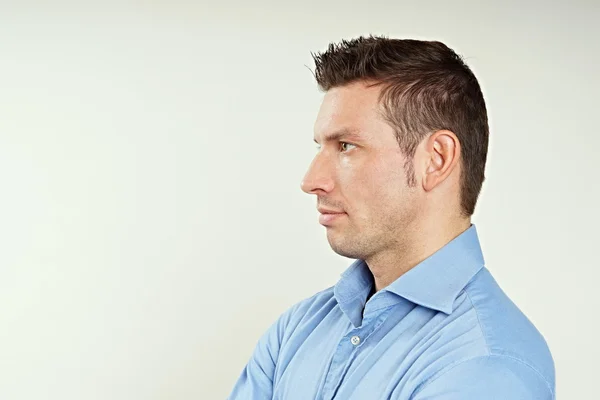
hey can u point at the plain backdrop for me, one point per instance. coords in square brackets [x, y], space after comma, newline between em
[152, 224]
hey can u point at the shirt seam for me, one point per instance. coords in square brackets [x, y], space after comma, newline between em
[487, 346]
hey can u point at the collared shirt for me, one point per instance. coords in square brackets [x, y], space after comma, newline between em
[444, 330]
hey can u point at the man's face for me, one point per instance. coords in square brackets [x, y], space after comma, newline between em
[360, 174]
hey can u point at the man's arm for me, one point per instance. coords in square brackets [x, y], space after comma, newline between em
[487, 378]
[256, 380]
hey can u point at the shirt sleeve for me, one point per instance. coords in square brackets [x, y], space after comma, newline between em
[487, 378]
[256, 379]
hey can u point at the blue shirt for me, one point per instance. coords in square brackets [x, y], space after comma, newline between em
[444, 330]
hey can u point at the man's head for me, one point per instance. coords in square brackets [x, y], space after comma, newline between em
[414, 142]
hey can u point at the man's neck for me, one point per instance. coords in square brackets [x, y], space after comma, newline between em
[387, 266]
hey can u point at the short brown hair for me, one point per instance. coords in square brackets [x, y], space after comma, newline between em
[426, 87]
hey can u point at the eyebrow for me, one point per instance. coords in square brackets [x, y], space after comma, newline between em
[344, 133]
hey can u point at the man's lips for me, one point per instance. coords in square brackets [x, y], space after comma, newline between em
[325, 210]
[328, 216]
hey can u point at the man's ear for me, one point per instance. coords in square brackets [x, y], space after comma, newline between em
[442, 150]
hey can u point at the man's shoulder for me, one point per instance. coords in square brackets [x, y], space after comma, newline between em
[507, 332]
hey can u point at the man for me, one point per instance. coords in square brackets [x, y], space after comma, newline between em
[403, 136]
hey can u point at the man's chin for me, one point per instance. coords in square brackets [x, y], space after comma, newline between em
[341, 246]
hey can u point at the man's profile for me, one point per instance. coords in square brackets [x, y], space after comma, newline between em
[402, 138]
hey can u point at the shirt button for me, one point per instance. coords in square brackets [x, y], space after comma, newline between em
[355, 340]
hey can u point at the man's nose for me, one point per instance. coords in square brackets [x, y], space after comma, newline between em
[317, 178]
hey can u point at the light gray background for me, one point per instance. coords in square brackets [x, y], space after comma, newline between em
[151, 221]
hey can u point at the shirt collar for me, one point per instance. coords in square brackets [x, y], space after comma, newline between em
[352, 290]
[434, 283]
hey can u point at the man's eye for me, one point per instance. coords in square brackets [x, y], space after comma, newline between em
[344, 146]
